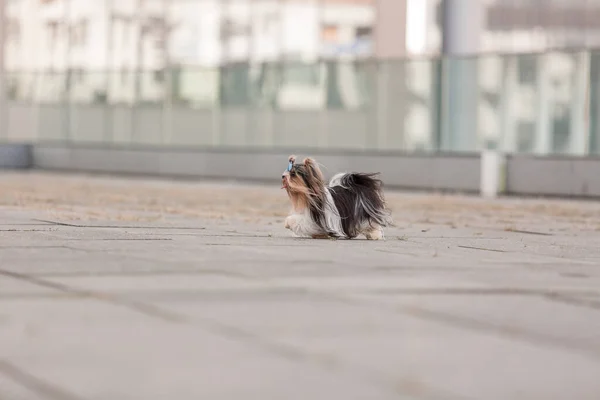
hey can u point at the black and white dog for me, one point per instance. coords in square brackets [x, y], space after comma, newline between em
[350, 205]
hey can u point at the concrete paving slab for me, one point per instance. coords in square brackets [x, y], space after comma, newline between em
[518, 314]
[98, 351]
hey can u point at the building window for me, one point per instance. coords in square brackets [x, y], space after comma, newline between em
[364, 32]
[124, 76]
[329, 33]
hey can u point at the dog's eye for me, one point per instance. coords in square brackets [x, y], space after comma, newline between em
[292, 173]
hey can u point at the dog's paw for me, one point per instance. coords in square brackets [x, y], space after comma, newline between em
[290, 223]
[375, 234]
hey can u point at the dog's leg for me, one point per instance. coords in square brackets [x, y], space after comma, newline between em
[295, 223]
[291, 222]
[304, 227]
[374, 233]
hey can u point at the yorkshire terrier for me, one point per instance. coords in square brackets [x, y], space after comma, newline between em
[350, 205]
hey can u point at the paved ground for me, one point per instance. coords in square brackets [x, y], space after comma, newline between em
[138, 289]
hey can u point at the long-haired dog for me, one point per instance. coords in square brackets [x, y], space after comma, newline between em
[350, 205]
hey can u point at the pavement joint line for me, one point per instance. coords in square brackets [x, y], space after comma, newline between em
[567, 297]
[529, 232]
[37, 296]
[271, 289]
[35, 384]
[539, 265]
[291, 352]
[399, 253]
[45, 247]
[486, 291]
[133, 274]
[482, 249]
[114, 239]
[26, 230]
[454, 237]
[24, 224]
[57, 223]
[574, 301]
[95, 240]
[143, 308]
[474, 325]
[48, 222]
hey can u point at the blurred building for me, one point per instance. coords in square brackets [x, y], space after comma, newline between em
[538, 25]
[511, 26]
[149, 34]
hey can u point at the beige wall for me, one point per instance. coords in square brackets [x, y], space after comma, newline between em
[390, 29]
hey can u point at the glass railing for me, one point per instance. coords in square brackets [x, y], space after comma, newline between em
[528, 103]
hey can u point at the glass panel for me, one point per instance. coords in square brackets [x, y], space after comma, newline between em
[489, 109]
[53, 111]
[148, 112]
[150, 87]
[420, 95]
[460, 94]
[88, 117]
[303, 87]
[562, 78]
[560, 71]
[52, 87]
[21, 86]
[527, 104]
[191, 112]
[88, 87]
[195, 87]
[121, 93]
[348, 85]
[21, 109]
[300, 101]
[234, 87]
[265, 80]
[121, 87]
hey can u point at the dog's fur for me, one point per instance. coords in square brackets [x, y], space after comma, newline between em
[350, 205]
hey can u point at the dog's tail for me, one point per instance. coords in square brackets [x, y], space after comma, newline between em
[369, 194]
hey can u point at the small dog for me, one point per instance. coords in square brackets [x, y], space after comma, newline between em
[352, 203]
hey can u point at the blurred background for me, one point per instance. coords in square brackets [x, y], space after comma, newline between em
[521, 76]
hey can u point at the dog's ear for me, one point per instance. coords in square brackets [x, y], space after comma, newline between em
[313, 168]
